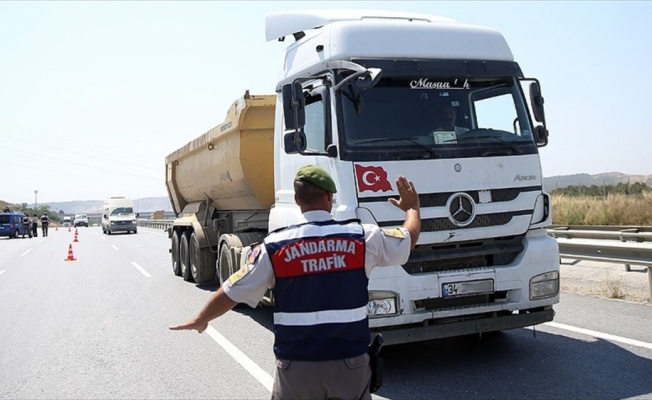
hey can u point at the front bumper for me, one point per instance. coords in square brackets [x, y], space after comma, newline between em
[122, 227]
[438, 329]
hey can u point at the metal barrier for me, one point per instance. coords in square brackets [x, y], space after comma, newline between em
[162, 224]
[621, 245]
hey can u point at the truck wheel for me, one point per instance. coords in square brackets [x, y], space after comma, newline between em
[176, 265]
[202, 262]
[184, 256]
[227, 265]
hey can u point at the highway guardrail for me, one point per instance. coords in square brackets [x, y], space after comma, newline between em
[628, 245]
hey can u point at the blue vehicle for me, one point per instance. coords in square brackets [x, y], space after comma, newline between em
[11, 225]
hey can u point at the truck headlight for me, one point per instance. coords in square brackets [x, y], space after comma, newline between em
[381, 304]
[544, 285]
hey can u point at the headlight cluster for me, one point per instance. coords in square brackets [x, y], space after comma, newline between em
[544, 285]
[381, 304]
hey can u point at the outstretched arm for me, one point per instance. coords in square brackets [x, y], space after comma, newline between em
[218, 304]
[408, 201]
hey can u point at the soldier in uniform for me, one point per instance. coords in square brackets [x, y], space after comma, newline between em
[45, 222]
[318, 271]
[35, 226]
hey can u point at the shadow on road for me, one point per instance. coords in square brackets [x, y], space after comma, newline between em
[515, 365]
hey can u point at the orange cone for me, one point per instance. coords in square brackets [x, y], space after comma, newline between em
[70, 256]
[75, 239]
[75, 231]
[56, 228]
[68, 229]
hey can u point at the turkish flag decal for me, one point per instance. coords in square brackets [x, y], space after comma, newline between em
[372, 178]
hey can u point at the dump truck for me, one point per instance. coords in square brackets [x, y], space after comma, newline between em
[368, 96]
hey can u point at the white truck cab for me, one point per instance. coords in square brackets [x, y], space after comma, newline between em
[372, 95]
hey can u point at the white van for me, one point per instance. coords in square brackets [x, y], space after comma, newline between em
[80, 220]
[118, 216]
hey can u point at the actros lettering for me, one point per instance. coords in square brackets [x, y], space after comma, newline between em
[525, 177]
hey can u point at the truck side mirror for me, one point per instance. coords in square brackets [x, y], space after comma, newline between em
[295, 142]
[537, 101]
[541, 135]
[294, 106]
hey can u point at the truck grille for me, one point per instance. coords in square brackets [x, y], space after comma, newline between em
[494, 252]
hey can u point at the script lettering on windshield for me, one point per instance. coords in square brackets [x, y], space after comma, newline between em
[424, 83]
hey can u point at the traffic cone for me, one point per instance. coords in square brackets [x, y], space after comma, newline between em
[68, 229]
[70, 256]
[75, 231]
[75, 239]
[56, 228]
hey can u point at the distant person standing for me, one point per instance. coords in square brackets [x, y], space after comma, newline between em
[35, 226]
[27, 226]
[45, 221]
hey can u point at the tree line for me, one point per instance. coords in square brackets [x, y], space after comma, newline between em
[635, 189]
[38, 211]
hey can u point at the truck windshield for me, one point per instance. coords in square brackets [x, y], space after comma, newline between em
[122, 211]
[435, 117]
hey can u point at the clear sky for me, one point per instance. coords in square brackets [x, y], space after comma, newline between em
[94, 95]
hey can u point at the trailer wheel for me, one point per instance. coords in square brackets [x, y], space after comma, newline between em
[202, 262]
[176, 264]
[184, 256]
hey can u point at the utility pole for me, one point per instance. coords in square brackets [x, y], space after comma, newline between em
[35, 201]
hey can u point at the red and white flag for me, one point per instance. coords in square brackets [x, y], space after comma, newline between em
[372, 178]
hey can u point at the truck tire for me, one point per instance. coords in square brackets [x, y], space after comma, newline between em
[202, 262]
[226, 264]
[184, 256]
[174, 252]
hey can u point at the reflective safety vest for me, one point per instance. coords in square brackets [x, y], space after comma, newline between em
[320, 295]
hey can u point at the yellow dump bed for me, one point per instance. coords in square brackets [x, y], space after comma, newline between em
[231, 164]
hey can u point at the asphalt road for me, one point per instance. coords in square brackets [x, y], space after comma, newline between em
[96, 328]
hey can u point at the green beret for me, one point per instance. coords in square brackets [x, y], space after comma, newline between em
[317, 176]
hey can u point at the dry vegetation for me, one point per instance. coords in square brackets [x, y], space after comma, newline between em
[614, 209]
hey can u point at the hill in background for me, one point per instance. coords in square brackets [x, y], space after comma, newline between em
[608, 178]
[144, 205]
[147, 204]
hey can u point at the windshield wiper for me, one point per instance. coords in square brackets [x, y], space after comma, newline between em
[487, 153]
[407, 139]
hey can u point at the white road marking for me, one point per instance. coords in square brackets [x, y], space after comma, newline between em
[115, 247]
[152, 233]
[261, 376]
[600, 335]
[141, 269]
[27, 251]
[2, 272]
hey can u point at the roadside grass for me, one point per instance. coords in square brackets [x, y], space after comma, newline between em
[614, 209]
[615, 288]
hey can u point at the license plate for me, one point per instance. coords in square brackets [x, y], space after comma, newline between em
[467, 288]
